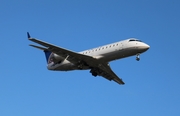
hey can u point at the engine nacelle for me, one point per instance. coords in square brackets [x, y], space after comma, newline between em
[56, 58]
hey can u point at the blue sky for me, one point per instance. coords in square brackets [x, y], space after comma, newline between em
[27, 88]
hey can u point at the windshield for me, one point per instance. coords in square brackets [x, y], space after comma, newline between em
[134, 40]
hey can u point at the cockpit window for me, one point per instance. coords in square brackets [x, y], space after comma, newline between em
[134, 40]
[139, 40]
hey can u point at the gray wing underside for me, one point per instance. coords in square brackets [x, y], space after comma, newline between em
[75, 57]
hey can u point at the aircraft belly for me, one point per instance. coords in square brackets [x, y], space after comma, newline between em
[119, 54]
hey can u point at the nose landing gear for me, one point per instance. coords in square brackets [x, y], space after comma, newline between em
[137, 57]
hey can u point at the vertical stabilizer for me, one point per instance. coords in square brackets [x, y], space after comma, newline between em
[47, 54]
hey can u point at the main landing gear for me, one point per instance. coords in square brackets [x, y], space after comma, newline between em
[137, 57]
[94, 72]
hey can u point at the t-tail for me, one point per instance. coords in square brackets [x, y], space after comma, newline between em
[46, 51]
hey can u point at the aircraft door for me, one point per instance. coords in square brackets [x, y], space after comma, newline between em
[120, 46]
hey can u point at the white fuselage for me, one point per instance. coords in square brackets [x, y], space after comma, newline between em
[106, 53]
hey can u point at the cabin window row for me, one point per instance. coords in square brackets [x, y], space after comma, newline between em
[101, 48]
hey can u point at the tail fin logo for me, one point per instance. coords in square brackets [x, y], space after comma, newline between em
[48, 55]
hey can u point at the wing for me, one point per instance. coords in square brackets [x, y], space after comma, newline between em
[75, 58]
[109, 74]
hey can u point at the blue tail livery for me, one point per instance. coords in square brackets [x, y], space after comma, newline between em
[48, 54]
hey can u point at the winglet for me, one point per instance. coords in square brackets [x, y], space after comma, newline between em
[28, 35]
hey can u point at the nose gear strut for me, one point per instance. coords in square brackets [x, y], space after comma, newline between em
[137, 57]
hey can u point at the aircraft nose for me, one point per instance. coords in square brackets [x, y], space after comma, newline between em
[144, 47]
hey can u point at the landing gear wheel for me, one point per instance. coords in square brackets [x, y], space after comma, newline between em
[94, 74]
[138, 57]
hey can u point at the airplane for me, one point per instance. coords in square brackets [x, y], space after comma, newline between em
[96, 59]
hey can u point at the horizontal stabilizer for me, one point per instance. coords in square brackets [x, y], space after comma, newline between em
[38, 47]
